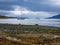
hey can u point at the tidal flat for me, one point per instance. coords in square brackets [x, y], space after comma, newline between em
[13, 34]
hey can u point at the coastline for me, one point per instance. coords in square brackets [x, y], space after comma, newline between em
[30, 29]
[28, 34]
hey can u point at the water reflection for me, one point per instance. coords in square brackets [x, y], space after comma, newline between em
[45, 22]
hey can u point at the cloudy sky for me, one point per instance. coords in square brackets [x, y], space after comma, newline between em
[30, 8]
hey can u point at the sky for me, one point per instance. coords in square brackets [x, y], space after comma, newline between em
[30, 8]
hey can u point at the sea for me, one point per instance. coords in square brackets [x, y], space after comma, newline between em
[43, 22]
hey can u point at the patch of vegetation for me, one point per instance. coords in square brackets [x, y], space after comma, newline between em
[30, 29]
[29, 34]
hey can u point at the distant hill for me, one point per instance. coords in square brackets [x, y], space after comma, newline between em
[55, 17]
[12, 17]
[3, 17]
[6, 17]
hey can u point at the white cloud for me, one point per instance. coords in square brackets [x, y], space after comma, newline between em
[7, 0]
[25, 12]
[51, 3]
[16, 11]
[41, 14]
[55, 2]
[26, 0]
[19, 10]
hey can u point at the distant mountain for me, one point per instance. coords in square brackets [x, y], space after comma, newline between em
[12, 17]
[55, 17]
[3, 17]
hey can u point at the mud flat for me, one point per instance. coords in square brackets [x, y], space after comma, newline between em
[29, 35]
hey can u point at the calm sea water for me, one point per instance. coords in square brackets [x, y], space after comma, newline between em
[44, 22]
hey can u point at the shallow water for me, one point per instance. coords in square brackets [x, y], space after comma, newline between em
[44, 22]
